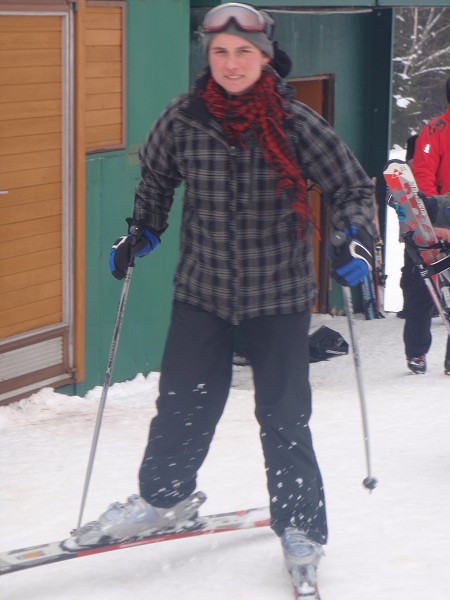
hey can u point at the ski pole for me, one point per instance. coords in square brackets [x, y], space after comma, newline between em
[134, 232]
[106, 384]
[369, 482]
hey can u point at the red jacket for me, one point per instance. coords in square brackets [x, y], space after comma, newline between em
[431, 164]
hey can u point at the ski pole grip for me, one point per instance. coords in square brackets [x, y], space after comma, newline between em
[338, 239]
[136, 232]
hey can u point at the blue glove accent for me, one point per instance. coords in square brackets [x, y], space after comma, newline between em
[351, 256]
[112, 254]
[353, 272]
[150, 244]
[139, 242]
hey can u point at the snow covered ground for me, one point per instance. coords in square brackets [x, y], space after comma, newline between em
[391, 544]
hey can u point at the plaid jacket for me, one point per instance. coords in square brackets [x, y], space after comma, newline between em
[240, 256]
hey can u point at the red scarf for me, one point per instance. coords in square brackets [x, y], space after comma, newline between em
[262, 112]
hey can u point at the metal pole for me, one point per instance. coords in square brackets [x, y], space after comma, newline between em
[106, 384]
[369, 482]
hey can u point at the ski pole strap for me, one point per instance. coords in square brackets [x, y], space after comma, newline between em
[441, 245]
[427, 270]
[440, 265]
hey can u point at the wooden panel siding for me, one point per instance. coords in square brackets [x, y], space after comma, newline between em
[44, 91]
[29, 24]
[23, 75]
[43, 312]
[31, 173]
[30, 178]
[20, 145]
[105, 98]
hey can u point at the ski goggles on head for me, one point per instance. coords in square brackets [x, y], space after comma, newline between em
[245, 17]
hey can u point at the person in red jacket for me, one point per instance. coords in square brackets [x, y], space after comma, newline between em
[431, 165]
[431, 168]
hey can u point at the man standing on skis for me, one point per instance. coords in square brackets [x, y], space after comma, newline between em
[243, 147]
[431, 169]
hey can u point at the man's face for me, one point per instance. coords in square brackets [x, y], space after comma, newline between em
[235, 63]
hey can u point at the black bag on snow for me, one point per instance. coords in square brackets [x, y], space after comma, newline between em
[325, 343]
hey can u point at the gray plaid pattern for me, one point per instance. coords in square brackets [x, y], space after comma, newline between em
[240, 256]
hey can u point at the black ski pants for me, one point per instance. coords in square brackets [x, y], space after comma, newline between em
[418, 308]
[194, 385]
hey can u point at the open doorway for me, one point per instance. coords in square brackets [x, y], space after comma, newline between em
[318, 93]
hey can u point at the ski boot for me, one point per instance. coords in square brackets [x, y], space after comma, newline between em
[417, 364]
[302, 556]
[447, 366]
[134, 519]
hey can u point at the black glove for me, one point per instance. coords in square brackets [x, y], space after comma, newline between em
[351, 255]
[139, 242]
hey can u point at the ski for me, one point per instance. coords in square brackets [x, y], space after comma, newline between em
[378, 274]
[368, 298]
[431, 256]
[372, 286]
[53, 552]
[403, 189]
[417, 231]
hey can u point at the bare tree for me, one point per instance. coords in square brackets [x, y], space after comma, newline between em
[421, 67]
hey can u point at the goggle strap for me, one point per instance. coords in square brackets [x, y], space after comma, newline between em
[246, 18]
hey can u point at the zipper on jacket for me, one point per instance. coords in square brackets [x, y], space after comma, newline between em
[233, 236]
[252, 172]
